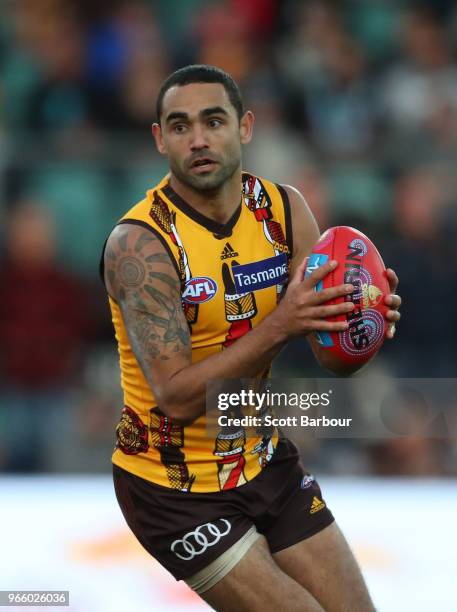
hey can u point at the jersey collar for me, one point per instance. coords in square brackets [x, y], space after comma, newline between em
[224, 230]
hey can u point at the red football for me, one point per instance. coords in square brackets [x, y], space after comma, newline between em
[360, 264]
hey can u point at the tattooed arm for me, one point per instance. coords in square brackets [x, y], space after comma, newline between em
[140, 276]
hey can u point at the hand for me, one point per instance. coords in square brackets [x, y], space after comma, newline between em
[302, 310]
[394, 301]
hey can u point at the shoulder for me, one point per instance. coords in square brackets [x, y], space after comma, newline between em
[126, 233]
[305, 229]
[132, 252]
[298, 204]
[300, 211]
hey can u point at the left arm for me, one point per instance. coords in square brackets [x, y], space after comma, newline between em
[305, 235]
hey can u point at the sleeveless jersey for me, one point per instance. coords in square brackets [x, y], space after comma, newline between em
[232, 275]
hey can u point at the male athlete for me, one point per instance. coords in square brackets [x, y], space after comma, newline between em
[237, 518]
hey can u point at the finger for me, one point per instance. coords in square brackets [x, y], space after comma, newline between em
[393, 300]
[299, 272]
[328, 326]
[393, 315]
[390, 332]
[320, 297]
[322, 312]
[319, 273]
[393, 280]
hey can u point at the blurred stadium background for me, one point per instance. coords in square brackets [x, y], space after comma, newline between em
[356, 105]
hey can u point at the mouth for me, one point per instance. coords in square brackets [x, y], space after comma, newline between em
[203, 164]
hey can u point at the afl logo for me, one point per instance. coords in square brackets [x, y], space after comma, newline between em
[199, 289]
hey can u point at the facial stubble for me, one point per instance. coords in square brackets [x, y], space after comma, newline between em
[212, 181]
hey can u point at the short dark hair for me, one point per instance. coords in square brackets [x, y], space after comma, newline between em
[201, 73]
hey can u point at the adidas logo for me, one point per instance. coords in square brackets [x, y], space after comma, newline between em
[228, 252]
[316, 505]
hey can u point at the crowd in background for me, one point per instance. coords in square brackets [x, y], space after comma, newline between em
[355, 104]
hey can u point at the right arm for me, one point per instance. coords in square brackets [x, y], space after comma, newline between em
[140, 276]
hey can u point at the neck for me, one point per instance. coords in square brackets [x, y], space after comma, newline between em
[219, 204]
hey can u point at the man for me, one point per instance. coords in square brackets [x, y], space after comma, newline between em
[238, 519]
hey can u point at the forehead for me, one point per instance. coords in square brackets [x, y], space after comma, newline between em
[195, 97]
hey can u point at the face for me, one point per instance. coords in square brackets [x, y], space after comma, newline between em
[201, 135]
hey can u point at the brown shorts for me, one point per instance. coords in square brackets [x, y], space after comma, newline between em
[186, 532]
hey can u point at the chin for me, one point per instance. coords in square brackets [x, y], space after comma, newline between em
[206, 183]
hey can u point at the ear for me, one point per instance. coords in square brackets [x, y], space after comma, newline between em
[157, 133]
[246, 127]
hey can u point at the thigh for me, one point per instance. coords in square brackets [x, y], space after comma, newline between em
[325, 566]
[297, 513]
[258, 584]
[185, 533]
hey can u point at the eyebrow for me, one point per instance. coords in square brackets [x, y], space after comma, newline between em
[213, 110]
[176, 115]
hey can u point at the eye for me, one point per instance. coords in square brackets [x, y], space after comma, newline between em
[179, 128]
[214, 123]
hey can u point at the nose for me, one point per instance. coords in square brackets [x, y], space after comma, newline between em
[198, 139]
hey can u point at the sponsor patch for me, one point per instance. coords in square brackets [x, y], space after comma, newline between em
[316, 505]
[307, 481]
[197, 542]
[260, 274]
[199, 289]
[228, 252]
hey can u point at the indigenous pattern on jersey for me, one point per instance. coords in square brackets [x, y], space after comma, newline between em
[232, 275]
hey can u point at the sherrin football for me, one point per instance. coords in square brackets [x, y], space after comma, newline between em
[360, 264]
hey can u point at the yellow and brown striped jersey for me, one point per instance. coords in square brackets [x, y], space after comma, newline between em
[232, 276]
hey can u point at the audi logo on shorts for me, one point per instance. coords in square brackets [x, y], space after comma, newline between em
[197, 541]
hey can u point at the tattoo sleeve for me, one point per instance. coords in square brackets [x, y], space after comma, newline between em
[141, 277]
